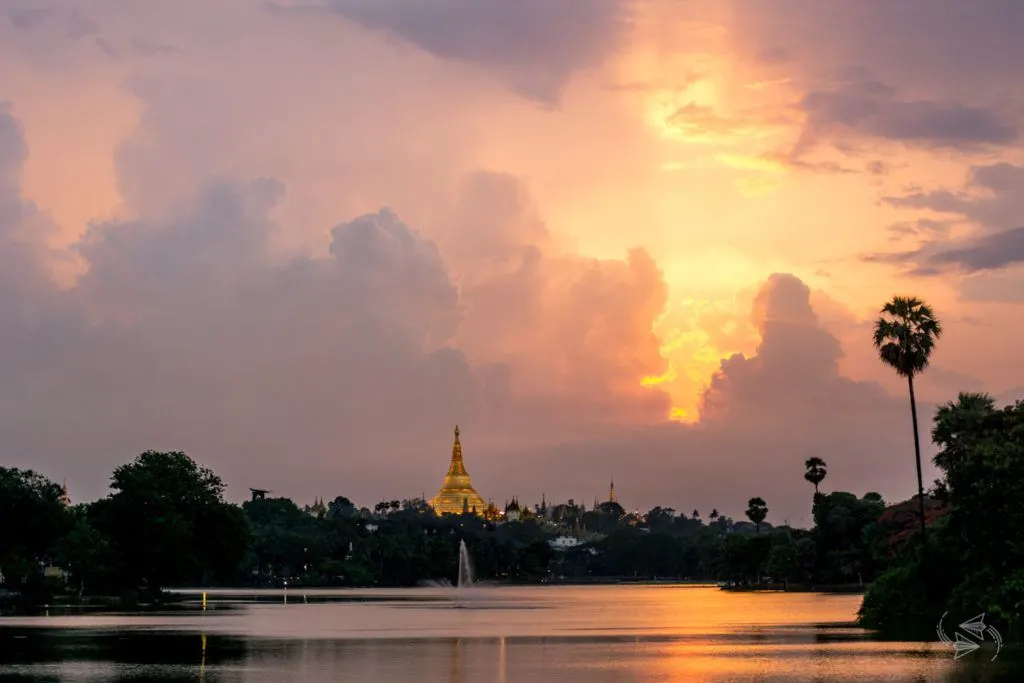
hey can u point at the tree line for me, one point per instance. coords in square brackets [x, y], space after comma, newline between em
[165, 523]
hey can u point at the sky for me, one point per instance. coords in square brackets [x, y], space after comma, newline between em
[633, 239]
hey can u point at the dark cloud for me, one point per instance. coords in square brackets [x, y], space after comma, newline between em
[875, 109]
[990, 200]
[989, 252]
[989, 197]
[26, 17]
[922, 227]
[535, 44]
[972, 49]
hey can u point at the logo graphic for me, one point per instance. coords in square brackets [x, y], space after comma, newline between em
[969, 636]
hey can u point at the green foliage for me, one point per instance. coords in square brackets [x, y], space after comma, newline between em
[84, 551]
[905, 335]
[840, 524]
[973, 560]
[32, 522]
[167, 523]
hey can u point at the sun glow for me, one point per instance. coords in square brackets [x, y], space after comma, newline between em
[697, 335]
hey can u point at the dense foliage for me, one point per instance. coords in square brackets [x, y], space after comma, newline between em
[165, 523]
[972, 560]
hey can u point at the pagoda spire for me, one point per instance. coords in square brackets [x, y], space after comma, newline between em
[611, 492]
[457, 468]
[457, 493]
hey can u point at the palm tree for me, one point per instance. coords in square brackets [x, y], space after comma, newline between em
[696, 513]
[757, 510]
[905, 335]
[714, 514]
[816, 472]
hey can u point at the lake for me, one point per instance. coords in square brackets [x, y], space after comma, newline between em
[591, 634]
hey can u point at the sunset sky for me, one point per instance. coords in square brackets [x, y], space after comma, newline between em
[640, 239]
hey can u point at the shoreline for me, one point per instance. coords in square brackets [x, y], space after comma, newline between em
[836, 589]
[186, 598]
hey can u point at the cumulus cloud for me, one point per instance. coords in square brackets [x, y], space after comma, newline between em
[184, 333]
[764, 414]
[24, 230]
[795, 370]
[218, 310]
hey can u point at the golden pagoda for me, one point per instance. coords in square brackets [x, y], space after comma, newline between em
[457, 495]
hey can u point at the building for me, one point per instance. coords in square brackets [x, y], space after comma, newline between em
[565, 542]
[512, 511]
[457, 495]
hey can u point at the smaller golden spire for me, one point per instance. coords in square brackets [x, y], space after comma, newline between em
[457, 468]
[611, 492]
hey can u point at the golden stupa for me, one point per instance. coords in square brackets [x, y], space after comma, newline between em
[457, 494]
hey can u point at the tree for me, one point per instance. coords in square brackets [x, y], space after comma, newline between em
[714, 515]
[757, 510]
[982, 458]
[32, 520]
[696, 513]
[905, 335]
[340, 507]
[816, 470]
[972, 559]
[168, 523]
[83, 551]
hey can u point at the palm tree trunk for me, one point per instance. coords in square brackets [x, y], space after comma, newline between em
[917, 454]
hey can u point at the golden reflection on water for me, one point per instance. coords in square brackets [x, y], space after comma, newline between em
[202, 660]
[456, 661]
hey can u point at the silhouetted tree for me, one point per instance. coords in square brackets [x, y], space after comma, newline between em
[816, 470]
[905, 335]
[757, 510]
[168, 523]
[32, 521]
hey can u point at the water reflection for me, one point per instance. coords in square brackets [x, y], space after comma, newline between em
[165, 657]
[628, 636]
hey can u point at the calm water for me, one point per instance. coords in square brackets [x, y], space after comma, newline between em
[605, 634]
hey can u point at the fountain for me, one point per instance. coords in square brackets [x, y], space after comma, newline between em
[465, 579]
[465, 586]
